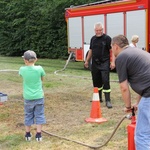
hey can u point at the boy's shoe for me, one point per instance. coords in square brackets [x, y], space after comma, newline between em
[38, 137]
[28, 137]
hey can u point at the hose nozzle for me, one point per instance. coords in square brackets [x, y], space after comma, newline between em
[129, 116]
[133, 113]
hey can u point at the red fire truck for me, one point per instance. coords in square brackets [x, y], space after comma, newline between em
[128, 17]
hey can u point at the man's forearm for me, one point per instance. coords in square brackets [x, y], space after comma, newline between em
[89, 55]
[113, 58]
[125, 93]
[127, 98]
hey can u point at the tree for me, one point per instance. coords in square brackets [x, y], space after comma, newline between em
[34, 24]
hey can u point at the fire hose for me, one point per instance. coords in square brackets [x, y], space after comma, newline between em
[65, 66]
[9, 70]
[87, 145]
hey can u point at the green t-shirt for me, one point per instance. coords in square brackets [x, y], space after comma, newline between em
[32, 83]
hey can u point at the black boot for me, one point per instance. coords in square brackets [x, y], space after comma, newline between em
[107, 98]
[100, 96]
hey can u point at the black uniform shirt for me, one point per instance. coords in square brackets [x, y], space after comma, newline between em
[100, 47]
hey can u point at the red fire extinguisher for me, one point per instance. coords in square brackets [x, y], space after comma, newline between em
[131, 129]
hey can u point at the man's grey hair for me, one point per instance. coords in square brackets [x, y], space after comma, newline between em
[98, 24]
[120, 40]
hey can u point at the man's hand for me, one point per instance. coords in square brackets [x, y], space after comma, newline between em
[112, 65]
[128, 110]
[86, 64]
[135, 106]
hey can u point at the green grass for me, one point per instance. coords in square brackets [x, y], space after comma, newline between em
[67, 97]
[73, 69]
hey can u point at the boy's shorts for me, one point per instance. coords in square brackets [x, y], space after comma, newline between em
[34, 112]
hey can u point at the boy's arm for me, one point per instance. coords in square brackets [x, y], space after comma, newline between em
[42, 74]
[42, 78]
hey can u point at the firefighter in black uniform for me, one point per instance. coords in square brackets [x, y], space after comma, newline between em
[100, 47]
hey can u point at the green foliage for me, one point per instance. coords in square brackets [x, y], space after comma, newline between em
[34, 24]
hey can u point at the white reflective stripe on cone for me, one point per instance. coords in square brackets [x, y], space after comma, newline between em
[95, 97]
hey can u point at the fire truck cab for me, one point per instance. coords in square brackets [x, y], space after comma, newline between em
[127, 17]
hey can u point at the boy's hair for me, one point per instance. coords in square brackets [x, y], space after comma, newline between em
[30, 56]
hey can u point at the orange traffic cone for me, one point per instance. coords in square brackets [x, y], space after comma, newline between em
[95, 115]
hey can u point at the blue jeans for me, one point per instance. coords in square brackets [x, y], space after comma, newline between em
[142, 132]
[34, 112]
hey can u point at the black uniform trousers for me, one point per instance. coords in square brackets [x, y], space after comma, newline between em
[101, 74]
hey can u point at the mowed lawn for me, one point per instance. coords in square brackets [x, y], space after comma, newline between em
[68, 93]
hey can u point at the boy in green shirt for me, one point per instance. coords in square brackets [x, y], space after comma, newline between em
[33, 94]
